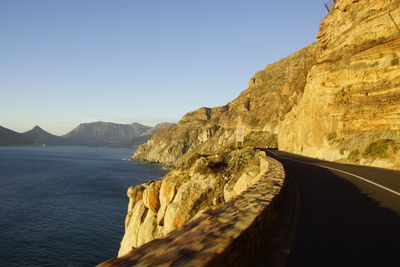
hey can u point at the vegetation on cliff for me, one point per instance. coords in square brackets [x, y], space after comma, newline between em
[201, 182]
[272, 93]
[337, 99]
[326, 100]
[352, 95]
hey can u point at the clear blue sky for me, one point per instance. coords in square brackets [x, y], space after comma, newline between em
[66, 62]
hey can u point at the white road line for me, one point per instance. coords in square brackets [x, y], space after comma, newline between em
[348, 173]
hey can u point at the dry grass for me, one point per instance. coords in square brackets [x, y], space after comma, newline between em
[380, 148]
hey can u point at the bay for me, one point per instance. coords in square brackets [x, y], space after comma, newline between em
[65, 206]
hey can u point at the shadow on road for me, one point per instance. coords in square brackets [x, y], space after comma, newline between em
[338, 225]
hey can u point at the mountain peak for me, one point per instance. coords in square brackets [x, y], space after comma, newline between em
[9, 137]
[40, 136]
[38, 130]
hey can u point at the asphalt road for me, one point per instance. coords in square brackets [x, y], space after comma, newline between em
[345, 217]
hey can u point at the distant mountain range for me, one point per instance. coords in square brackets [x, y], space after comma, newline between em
[105, 134]
[9, 137]
[86, 134]
[144, 137]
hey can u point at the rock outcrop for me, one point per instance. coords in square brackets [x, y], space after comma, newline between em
[330, 100]
[235, 233]
[202, 182]
[272, 93]
[337, 99]
[352, 95]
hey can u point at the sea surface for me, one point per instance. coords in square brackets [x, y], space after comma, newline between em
[65, 206]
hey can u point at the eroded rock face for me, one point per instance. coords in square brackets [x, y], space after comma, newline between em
[272, 93]
[148, 228]
[345, 85]
[354, 89]
[151, 196]
[326, 100]
[134, 193]
[130, 239]
[329, 100]
[200, 183]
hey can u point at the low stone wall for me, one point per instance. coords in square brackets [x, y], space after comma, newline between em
[232, 234]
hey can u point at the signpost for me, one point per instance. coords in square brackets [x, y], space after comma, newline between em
[240, 132]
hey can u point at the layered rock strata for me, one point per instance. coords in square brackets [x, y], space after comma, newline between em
[271, 93]
[330, 100]
[352, 93]
[337, 99]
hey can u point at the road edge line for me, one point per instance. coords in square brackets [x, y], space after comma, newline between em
[348, 173]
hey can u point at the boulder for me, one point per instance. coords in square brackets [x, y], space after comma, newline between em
[192, 197]
[134, 193]
[150, 196]
[167, 193]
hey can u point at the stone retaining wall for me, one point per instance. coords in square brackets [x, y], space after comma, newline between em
[232, 234]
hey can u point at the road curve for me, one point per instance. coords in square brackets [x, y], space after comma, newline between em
[348, 215]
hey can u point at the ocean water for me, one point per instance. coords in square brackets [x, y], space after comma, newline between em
[65, 206]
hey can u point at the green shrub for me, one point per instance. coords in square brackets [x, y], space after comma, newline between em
[379, 148]
[354, 155]
[395, 60]
[330, 136]
[260, 139]
[247, 104]
[254, 121]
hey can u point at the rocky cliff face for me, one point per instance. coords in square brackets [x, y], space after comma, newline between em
[272, 93]
[351, 100]
[202, 182]
[338, 99]
[333, 100]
